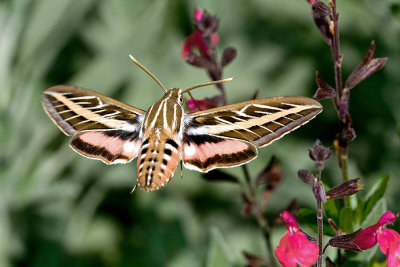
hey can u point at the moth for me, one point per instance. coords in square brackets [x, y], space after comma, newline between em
[227, 136]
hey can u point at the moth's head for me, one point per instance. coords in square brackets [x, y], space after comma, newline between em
[174, 94]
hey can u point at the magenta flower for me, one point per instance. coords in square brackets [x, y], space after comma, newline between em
[294, 247]
[389, 240]
[198, 13]
[196, 40]
[195, 105]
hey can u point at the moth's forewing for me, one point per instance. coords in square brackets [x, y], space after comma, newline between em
[258, 122]
[103, 128]
[74, 109]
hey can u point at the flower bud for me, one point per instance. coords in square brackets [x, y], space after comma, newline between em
[306, 176]
[320, 9]
[318, 152]
[228, 55]
[344, 190]
[345, 241]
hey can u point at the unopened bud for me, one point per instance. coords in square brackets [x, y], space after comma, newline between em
[344, 190]
[345, 241]
[320, 9]
[228, 55]
[318, 152]
[306, 176]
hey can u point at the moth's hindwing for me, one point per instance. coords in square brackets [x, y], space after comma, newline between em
[103, 128]
[204, 152]
[257, 122]
[111, 146]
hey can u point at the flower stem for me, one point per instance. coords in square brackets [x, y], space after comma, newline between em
[336, 50]
[319, 221]
[337, 57]
[257, 212]
[247, 178]
[263, 223]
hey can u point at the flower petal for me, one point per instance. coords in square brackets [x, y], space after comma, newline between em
[389, 242]
[192, 42]
[195, 105]
[195, 41]
[198, 13]
[290, 222]
[284, 254]
[367, 237]
[306, 252]
[387, 217]
[294, 248]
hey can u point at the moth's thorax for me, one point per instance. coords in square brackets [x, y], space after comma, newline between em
[161, 151]
[166, 113]
[173, 94]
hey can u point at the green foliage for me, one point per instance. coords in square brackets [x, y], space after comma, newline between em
[57, 208]
[375, 194]
[308, 218]
[218, 253]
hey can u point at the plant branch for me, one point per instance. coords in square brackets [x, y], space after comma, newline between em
[337, 57]
[263, 223]
[319, 220]
[256, 211]
[336, 50]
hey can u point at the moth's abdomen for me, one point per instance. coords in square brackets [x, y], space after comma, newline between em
[158, 160]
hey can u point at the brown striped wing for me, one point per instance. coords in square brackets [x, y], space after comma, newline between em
[257, 122]
[102, 128]
[74, 109]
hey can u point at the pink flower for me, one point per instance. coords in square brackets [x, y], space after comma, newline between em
[294, 247]
[195, 105]
[389, 240]
[198, 13]
[195, 41]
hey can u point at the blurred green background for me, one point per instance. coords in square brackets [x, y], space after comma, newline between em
[60, 209]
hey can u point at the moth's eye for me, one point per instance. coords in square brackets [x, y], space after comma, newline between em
[180, 99]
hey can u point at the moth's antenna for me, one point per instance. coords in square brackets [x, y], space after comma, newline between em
[148, 72]
[209, 83]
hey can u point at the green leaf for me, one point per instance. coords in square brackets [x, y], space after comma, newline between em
[371, 262]
[376, 193]
[376, 213]
[346, 218]
[358, 213]
[331, 210]
[308, 218]
[218, 253]
[395, 8]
